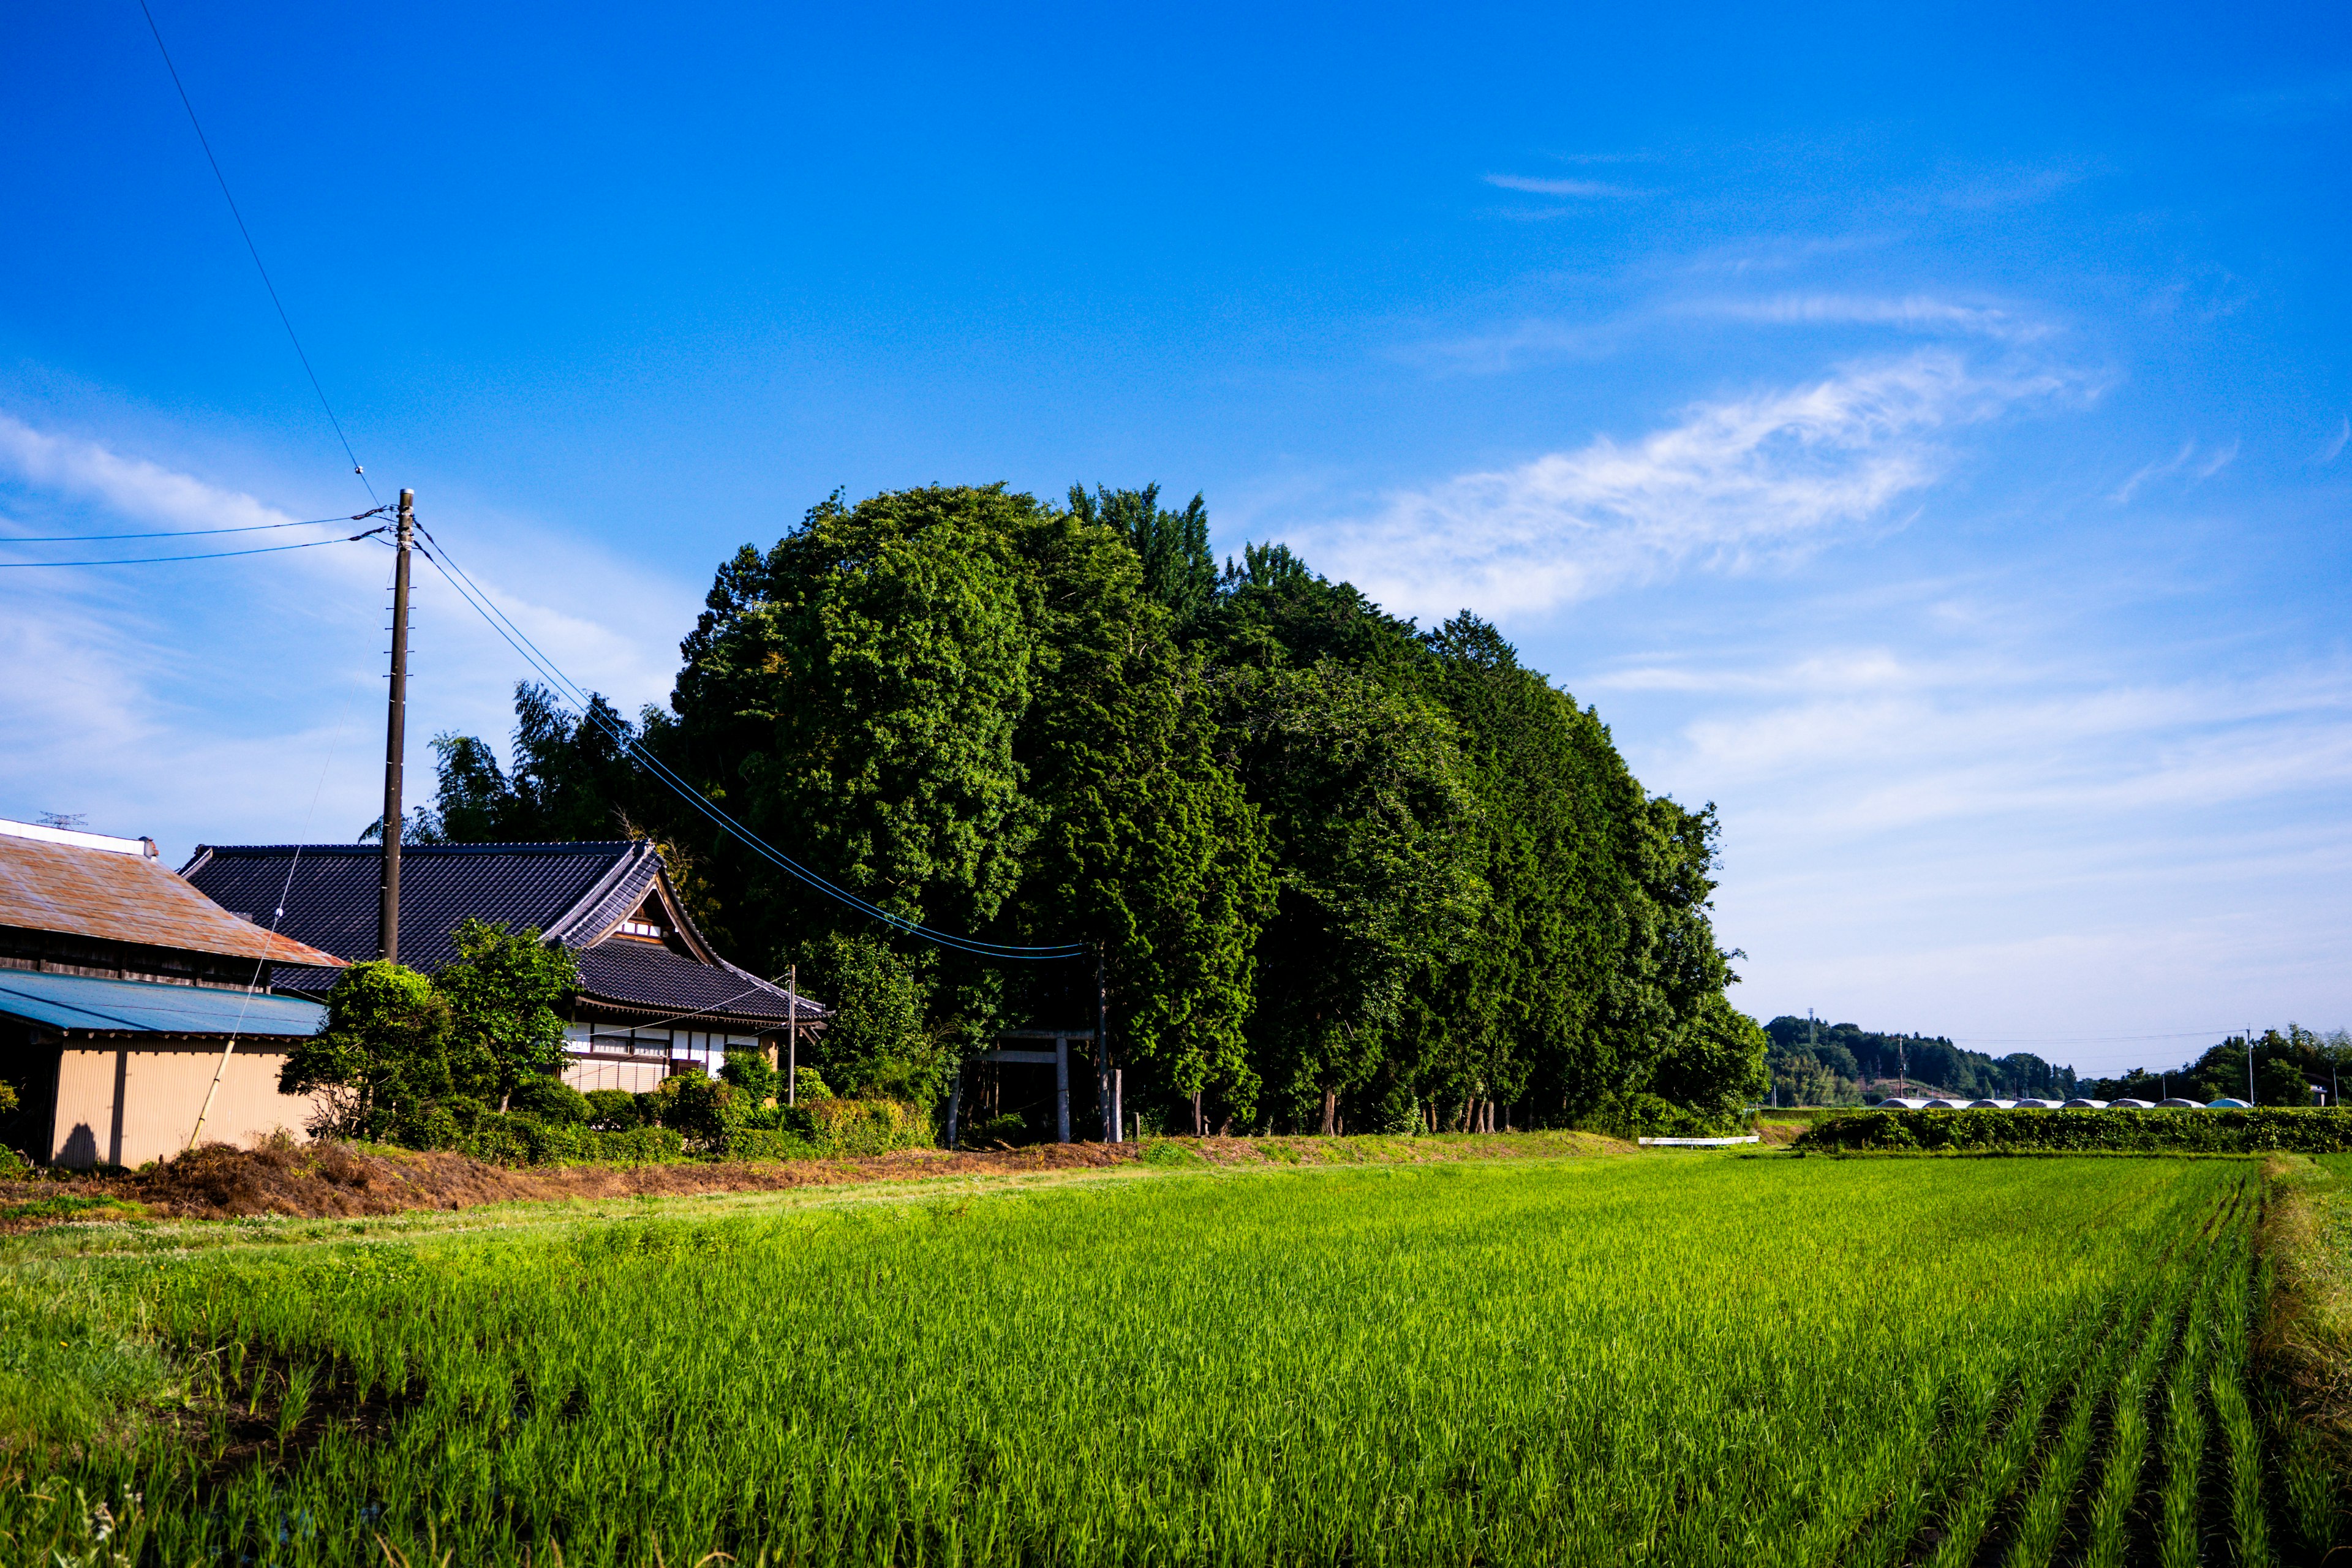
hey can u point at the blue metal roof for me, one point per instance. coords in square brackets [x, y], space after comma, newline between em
[84, 1002]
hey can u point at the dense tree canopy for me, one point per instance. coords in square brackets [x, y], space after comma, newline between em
[1342, 872]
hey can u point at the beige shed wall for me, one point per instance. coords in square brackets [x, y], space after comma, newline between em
[125, 1104]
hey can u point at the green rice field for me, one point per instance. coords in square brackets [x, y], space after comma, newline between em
[1669, 1359]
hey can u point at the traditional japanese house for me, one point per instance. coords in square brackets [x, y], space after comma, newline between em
[122, 988]
[655, 996]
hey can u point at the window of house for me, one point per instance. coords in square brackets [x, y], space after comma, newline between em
[650, 922]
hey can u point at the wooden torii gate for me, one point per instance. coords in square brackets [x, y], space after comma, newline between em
[1110, 1082]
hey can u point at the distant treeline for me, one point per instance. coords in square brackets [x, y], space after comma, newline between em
[2282, 1069]
[1813, 1063]
[1347, 873]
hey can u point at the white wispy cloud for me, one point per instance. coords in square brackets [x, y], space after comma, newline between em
[1538, 339]
[1909, 312]
[1730, 483]
[2184, 461]
[209, 699]
[128, 487]
[1547, 186]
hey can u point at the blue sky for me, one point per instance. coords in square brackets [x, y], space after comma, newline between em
[1924, 435]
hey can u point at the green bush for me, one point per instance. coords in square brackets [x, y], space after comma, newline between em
[613, 1109]
[810, 1085]
[1648, 1116]
[988, 1131]
[638, 1146]
[768, 1143]
[851, 1127]
[695, 1105]
[751, 1076]
[2086, 1132]
[551, 1100]
[698, 1123]
[518, 1139]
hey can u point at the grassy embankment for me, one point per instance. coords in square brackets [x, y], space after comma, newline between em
[1676, 1358]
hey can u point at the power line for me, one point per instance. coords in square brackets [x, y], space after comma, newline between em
[188, 533]
[2080, 1039]
[514, 637]
[214, 555]
[252, 250]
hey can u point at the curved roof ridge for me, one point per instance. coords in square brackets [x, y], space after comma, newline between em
[567, 846]
[625, 883]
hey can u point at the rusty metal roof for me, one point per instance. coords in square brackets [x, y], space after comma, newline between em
[127, 898]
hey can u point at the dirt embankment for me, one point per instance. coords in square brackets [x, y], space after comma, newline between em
[328, 1180]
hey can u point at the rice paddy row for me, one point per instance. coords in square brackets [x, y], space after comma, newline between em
[1602, 1361]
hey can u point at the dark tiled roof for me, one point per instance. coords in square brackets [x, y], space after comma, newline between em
[126, 897]
[629, 973]
[646, 977]
[572, 893]
[331, 903]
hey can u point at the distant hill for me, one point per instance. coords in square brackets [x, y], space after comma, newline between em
[1844, 1064]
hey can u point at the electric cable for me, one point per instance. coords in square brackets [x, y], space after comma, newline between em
[214, 555]
[190, 532]
[277, 918]
[254, 250]
[514, 637]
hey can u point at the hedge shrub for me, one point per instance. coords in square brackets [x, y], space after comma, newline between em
[1647, 1116]
[2296, 1132]
[768, 1143]
[824, 1129]
[519, 1139]
[852, 1127]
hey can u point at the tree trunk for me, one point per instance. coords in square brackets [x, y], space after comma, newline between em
[1199, 1123]
[1330, 1111]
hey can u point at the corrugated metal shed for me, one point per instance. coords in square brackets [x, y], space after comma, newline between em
[85, 1005]
[127, 898]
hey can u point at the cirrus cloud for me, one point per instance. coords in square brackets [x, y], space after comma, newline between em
[1730, 483]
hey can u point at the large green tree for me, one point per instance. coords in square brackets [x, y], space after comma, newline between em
[965, 707]
[1338, 870]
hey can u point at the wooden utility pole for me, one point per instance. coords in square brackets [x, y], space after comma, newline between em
[1105, 1097]
[792, 1034]
[387, 918]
